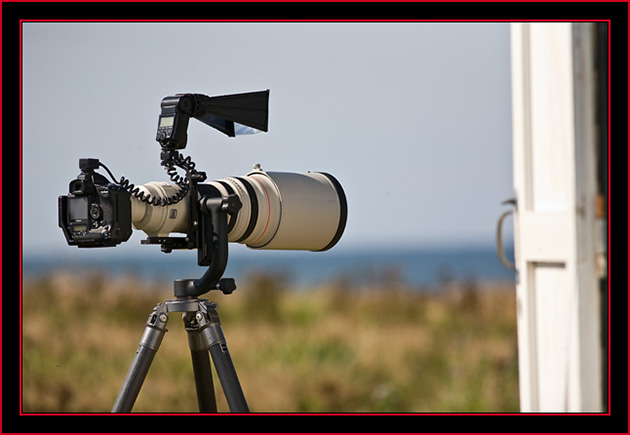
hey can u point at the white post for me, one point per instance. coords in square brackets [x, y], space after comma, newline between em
[554, 146]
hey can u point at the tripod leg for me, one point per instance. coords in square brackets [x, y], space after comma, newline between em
[210, 327]
[229, 380]
[201, 365]
[148, 347]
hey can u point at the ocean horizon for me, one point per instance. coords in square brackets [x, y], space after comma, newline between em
[414, 267]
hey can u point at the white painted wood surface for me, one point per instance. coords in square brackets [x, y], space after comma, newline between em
[555, 230]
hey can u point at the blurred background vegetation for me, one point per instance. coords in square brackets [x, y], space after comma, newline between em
[334, 348]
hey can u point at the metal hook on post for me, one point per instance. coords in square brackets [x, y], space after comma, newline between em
[500, 252]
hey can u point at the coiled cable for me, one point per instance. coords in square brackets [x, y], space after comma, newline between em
[173, 159]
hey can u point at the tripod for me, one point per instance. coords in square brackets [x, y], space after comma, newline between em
[201, 319]
[202, 324]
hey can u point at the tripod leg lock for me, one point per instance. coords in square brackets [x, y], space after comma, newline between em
[208, 323]
[196, 342]
[156, 328]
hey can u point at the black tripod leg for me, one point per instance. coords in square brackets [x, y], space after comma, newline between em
[229, 380]
[149, 345]
[210, 327]
[201, 365]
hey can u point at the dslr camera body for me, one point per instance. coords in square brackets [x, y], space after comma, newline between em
[96, 212]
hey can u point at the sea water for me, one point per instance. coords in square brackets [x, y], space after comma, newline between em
[416, 267]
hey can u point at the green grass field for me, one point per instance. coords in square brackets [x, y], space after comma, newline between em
[328, 349]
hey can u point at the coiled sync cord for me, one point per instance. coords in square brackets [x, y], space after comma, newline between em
[173, 159]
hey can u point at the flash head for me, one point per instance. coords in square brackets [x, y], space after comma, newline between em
[232, 115]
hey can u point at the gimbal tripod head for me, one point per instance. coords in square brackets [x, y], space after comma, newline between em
[208, 217]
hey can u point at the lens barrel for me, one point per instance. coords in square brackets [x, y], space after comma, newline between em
[280, 210]
[286, 210]
[159, 221]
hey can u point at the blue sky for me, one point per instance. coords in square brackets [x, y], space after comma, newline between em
[414, 119]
